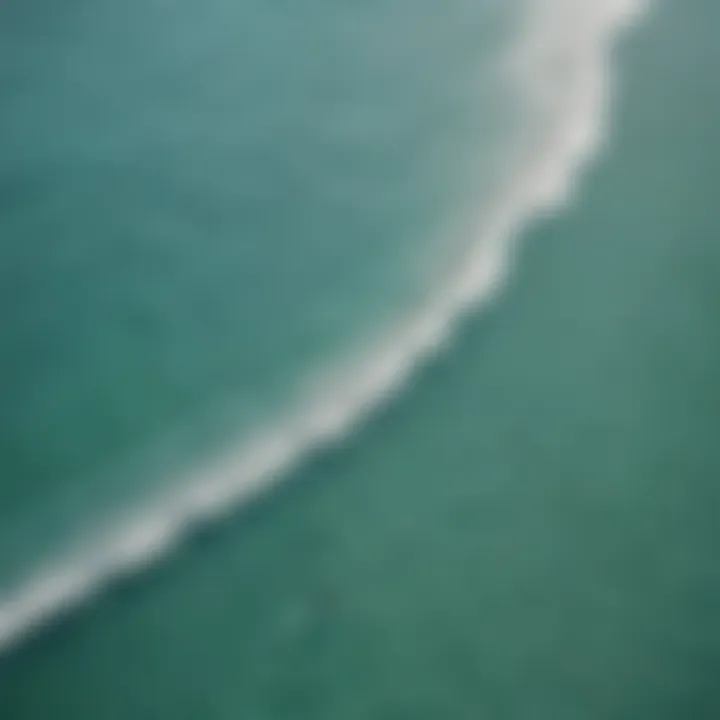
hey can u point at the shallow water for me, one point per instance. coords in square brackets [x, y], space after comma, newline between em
[202, 208]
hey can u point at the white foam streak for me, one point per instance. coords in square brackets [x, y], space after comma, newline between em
[563, 66]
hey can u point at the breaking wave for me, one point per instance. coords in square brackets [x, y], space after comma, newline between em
[563, 65]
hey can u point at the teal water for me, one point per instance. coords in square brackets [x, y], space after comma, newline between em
[528, 531]
[204, 207]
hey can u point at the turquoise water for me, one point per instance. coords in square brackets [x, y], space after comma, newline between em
[203, 209]
[528, 531]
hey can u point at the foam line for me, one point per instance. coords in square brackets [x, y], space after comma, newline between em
[562, 63]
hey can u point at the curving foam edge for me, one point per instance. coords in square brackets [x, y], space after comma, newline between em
[563, 64]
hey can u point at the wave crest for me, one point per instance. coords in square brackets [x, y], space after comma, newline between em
[562, 64]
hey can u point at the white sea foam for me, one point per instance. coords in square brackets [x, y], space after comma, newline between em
[562, 64]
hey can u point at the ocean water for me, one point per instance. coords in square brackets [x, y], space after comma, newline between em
[205, 212]
[229, 234]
